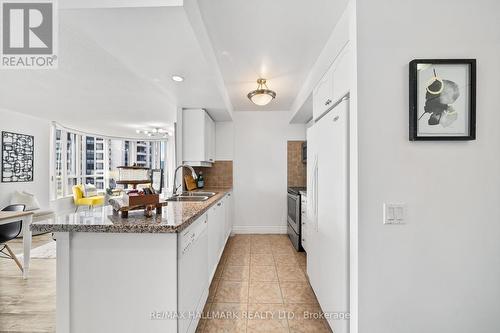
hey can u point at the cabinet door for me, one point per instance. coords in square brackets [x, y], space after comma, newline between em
[342, 74]
[322, 94]
[221, 237]
[209, 139]
[211, 156]
[193, 135]
[212, 242]
[229, 214]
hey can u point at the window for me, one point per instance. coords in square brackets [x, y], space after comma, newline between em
[58, 165]
[72, 170]
[88, 159]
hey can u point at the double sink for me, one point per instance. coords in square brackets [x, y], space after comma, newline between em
[192, 196]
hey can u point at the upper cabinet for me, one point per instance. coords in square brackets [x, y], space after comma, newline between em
[334, 84]
[198, 138]
[322, 94]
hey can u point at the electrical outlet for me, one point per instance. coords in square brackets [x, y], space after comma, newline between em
[394, 213]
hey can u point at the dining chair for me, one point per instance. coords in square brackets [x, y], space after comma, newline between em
[9, 231]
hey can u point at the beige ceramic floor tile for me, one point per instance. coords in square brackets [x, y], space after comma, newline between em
[231, 292]
[264, 292]
[301, 258]
[236, 273]
[218, 271]
[290, 273]
[262, 249]
[236, 259]
[304, 320]
[297, 292]
[267, 318]
[263, 273]
[226, 318]
[212, 290]
[285, 259]
[261, 259]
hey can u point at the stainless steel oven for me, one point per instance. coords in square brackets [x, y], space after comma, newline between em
[293, 217]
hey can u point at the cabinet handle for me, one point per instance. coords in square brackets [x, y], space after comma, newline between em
[219, 204]
[328, 101]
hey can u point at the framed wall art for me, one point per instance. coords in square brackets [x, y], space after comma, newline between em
[442, 99]
[18, 153]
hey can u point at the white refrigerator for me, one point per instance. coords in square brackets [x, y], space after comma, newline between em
[328, 212]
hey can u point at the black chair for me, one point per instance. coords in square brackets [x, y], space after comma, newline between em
[10, 231]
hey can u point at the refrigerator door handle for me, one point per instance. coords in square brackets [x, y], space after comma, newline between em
[316, 169]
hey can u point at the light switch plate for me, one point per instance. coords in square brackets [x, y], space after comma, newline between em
[394, 213]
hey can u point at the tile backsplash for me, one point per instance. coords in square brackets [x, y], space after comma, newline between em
[296, 169]
[219, 175]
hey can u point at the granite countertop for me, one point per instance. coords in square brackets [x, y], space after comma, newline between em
[175, 217]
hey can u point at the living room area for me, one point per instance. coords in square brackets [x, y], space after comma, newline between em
[49, 171]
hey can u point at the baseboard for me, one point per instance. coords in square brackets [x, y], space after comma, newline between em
[255, 229]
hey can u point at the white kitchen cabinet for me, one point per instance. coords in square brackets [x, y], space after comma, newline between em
[334, 84]
[216, 235]
[192, 273]
[229, 214]
[341, 74]
[198, 138]
[322, 94]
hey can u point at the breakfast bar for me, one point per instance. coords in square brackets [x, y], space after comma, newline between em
[140, 267]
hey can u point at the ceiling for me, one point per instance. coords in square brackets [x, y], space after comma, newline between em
[114, 74]
[278, 40]
[116, 63]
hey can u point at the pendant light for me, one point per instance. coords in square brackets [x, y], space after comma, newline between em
[262, 95]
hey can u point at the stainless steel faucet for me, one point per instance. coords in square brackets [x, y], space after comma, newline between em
[174, 188]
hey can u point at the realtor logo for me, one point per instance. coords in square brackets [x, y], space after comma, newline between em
[28, 34]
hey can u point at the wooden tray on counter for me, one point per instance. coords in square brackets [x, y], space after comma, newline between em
[140, 202]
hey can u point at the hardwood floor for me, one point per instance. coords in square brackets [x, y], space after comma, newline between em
[28, 305]
[258, 274]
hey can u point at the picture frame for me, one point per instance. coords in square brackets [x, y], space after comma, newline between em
[442, 99]
[18, 157]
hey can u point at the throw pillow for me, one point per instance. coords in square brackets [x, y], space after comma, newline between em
[89, 190]
[25, 198]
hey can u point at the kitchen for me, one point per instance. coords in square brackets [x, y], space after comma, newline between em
[91, 246]
[233, 166]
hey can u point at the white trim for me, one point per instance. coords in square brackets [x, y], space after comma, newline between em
[255, 229]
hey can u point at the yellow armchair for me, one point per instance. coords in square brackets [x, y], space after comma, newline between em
[79, 200]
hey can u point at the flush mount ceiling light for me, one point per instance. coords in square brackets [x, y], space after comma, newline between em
[262, 95]
[177, 78]
[154, 132]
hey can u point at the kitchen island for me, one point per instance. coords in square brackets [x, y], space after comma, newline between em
[138, 274]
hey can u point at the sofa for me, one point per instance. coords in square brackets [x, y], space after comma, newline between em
[30, 201]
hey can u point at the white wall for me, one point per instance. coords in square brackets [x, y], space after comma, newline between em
[260, 169]
[440, 272]
[40, 129]
[224, 141]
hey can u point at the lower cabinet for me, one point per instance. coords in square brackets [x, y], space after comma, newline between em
[216, 235]
[192, 270]
[200, 248]
[229, 213]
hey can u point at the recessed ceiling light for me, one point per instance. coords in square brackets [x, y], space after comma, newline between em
[177, 78]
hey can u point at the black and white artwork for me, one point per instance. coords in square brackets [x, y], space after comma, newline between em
[442, 99]
[17, 157]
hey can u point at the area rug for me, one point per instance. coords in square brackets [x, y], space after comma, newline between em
[46, 251]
